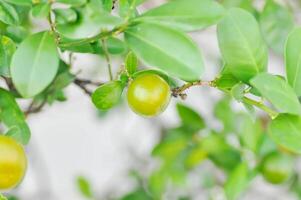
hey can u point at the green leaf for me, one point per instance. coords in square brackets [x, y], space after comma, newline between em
[238, 91]
[186, 15]
[237, 182]
[90, 23]
[250, 132]
[74, 3]
[115, 46]
[243, 49]
[17, 33]
[226, 81]
[35, 64]
[12, 116]
[20, 2]
[138, 194]
[41, 10]
[225, 114]
[293, 60]
[108, 95]
[84, 187]
[278, 92]
[276, 22]
[107, 5]
[64, 16]
[221, 153]
[8, 14]
[131, 63]
[285, 130]
[167, 49]
[190, 118]
[2, 197]
[7, 49]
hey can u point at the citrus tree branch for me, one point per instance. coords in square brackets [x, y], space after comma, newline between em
[180, 91]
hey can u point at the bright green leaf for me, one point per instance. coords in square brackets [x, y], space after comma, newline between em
[242, 46]
[167, 49]
[41, 10]
[35, 64]
[276, 22]
[7, 49]
[238, 91]
[190, 118]
[64, 16]
[131, 63]
[8, 14]
[285, 130]
[20, 2]
[107, 95]
[237, 182]
[73, 2]
[187, 15]
[84, 187]
[12, 116]
[90, 23]
[293, 60]
[278, 92]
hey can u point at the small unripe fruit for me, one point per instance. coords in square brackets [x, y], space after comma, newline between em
[12, 163]
[148, 95]
[277, 168]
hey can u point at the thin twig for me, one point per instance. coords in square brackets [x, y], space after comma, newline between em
[107, 56]
[82, 84]
[180, 91]
[35, 109]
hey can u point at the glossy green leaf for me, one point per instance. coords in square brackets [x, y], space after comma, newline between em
[276, 21]
[73, 2]
[108, 95]
[8, 14]
[285, 130]
[190, 118]
[167, 49]
[41, 10]
[13, 118]
[131, 63]
[35, 64]
[20, 2]
[242, 46]
[90, 23]
[7, 49]
[226, 81]
[293, 60]
[278, 92]
[186, 15]
[237, 182]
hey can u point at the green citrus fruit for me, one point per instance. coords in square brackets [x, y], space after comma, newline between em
[148, 95]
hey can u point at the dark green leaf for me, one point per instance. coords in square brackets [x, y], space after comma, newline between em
[35, 64]
[167, 49]
[278, 92]
[243, 49]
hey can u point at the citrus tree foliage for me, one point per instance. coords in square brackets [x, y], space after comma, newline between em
[157, 43]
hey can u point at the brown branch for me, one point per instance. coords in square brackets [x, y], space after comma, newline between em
[34, 109]
[82, 84]
[180, 91]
